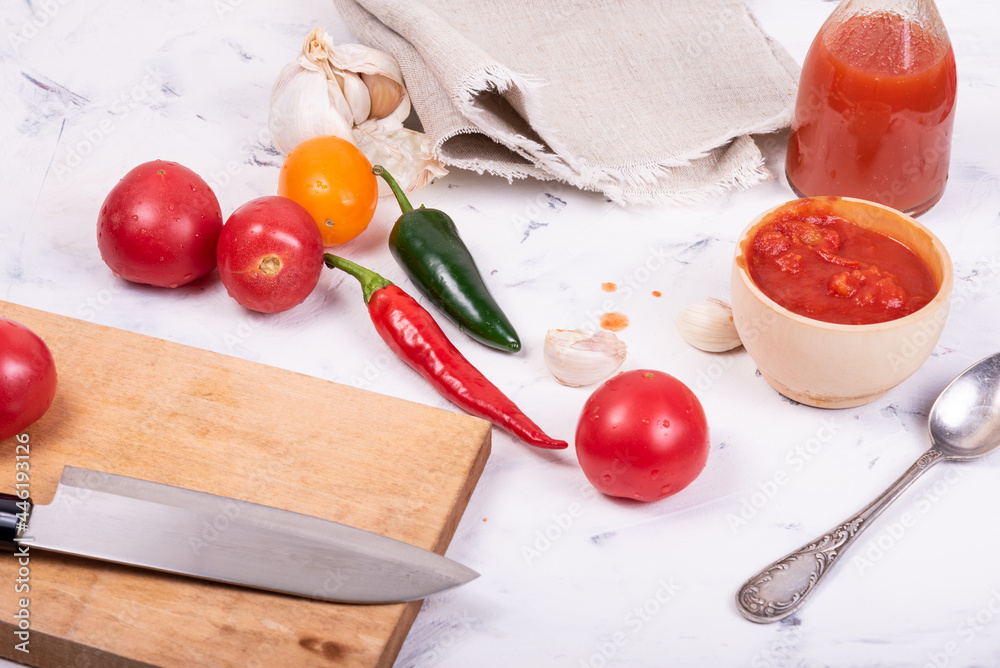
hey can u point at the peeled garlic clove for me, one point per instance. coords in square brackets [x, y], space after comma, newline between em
[578, 357]
[709, 326]
[385, 94]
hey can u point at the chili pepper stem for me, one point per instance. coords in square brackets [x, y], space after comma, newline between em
[404, 204]
[370, 281]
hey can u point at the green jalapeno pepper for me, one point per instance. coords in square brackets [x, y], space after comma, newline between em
[426, 244]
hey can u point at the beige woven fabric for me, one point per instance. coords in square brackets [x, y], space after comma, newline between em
[644, 101]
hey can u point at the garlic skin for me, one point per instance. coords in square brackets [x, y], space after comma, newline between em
[306, 99]
[709, 326]
[355, 93]
[579, 357]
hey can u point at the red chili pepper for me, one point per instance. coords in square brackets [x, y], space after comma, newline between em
[413, 334]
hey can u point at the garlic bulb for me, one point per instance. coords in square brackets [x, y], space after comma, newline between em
[709, 326]
[307, 100]
[578, 357]
[357, 94]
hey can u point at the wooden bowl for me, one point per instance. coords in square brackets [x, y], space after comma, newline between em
[832, 365]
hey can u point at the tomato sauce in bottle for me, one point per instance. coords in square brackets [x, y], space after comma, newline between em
[875, 107]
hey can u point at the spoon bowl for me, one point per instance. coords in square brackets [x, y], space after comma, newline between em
[964, 423]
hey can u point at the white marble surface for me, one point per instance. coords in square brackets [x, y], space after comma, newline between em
[90, 89]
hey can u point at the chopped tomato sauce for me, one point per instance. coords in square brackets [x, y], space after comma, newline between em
[827, 268]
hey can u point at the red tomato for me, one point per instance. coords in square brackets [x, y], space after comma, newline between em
[270, 254]
[159, 226]
[642, 435]
[333, 180]
[27, 378]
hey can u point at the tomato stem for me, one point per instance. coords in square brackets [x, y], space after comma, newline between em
[270, 265]
[370, 281]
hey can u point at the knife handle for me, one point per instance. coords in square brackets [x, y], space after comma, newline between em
[13, 516]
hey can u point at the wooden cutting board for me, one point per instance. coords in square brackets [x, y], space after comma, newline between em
[143, 407]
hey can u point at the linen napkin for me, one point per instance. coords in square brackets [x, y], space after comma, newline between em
[645, 101]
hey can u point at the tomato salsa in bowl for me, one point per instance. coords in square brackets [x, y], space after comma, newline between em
[838, 300]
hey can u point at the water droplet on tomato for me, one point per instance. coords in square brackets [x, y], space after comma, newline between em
[135, 217]
[170, 207]
[174, 285]
[607, 477]
[161, 258]
[114, 272]
[666, 424]
[665, 489]
[654, 474]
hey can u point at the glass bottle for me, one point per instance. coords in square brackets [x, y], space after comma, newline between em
[876, 106]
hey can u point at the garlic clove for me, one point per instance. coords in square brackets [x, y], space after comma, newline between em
[381, 76]
[359, 100]
[578, 357]
[386, 95]
[709, 326]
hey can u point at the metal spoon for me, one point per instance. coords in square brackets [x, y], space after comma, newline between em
[964, 423]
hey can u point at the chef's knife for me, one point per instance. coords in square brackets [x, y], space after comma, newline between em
[151, 525]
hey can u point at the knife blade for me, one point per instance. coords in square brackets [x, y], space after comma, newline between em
[161, 527]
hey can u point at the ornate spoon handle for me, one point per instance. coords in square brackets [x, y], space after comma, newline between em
[778, 590]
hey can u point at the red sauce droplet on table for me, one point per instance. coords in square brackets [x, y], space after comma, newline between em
[614, 321]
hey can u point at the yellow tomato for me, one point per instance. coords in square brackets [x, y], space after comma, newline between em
[333, 180]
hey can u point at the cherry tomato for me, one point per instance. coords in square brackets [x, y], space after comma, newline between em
[270, 254]
[333, 180]
[642, 435]
[159, 226]
[27, 378]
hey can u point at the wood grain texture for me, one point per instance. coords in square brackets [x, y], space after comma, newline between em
[143, 407]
